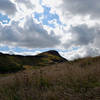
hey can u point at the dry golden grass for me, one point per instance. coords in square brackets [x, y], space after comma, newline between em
[77, 80]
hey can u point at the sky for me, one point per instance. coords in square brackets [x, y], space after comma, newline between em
[29, 27]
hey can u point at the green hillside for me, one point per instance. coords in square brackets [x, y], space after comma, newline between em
[13, 63]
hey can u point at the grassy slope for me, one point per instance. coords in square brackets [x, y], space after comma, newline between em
[13, 63]
[76, 80]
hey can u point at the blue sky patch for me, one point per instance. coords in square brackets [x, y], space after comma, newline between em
[4, 48]
[4, 19]
[38, 15]
[21, 50]
[47, 16]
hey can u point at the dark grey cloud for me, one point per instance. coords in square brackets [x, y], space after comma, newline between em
[85, 37]
[32, 35]
[82, 7]
[82, 34]
[97, 40]
[7, 7]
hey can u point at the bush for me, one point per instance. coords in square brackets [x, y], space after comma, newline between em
[12, 67]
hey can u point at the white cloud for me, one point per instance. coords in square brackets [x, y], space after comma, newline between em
[31, 35]
[81, 19]
[82, 25]
[85, 51]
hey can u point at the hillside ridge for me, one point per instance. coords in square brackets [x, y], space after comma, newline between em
[16, 62]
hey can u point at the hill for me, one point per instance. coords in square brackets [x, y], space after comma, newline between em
[73, 80]
[87, 62]
[13, 63]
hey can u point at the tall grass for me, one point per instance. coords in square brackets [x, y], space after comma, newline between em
[66, 81]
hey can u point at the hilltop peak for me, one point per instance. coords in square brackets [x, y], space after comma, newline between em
[53, 52]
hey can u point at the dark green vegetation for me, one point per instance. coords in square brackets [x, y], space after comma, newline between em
[73, 80]
[14, 63]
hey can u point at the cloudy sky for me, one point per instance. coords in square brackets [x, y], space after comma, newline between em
[72, 27]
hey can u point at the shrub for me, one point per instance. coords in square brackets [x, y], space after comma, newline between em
[8, 68]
